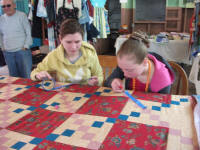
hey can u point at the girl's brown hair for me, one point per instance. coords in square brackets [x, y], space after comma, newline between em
[135, 47]
[70, 26]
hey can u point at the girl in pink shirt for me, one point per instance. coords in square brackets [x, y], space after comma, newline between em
[141, 71]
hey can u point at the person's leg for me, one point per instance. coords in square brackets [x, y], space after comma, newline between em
[24, 63]
[2, 59]
[10, 59]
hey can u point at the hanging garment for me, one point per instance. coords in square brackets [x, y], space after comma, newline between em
[90, 8]
[51, 37]
[106, 18]
[85, 32]
[30, 14]
[92, 32]
[66, 13]
[51, 11]
[37, 23]
[76, 3]
[114, 9]
[100, 21]
[85, 18]
[98, 3]
[22, 5]
[41, 10]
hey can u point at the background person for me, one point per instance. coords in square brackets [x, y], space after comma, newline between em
[15, 38]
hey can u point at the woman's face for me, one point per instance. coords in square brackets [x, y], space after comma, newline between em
[130, 68]
[71, 43]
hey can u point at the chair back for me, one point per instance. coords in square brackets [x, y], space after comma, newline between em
[180, 85]
[108, 63]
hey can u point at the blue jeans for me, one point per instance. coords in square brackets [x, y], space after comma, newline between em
[19, 63]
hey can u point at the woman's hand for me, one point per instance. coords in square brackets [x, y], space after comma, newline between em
[43, 74]
[93, 81]
[117, 85]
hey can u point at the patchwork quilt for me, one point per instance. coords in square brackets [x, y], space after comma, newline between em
[81, 117]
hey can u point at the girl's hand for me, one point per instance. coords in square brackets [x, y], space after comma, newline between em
[43, 74]
[117, 85]
[93, 81]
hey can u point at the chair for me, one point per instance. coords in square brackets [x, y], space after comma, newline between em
[180, 85]
[108, 63]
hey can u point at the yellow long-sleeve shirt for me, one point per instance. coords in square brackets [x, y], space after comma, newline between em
[79, 72]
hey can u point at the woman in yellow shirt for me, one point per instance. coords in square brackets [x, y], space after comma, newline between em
[73, 61]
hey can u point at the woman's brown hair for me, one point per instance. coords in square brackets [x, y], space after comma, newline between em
[70, 26]
[135, 47]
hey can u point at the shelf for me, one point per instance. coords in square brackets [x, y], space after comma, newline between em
[173, 19]
[176, 19]
[150, 22]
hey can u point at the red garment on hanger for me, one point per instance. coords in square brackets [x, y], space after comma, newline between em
[191, 26]
[69, 1]
[90, 8]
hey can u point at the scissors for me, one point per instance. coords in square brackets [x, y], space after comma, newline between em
[54, 85]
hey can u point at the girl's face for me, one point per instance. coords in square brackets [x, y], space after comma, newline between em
[129, 67]
[72, 43]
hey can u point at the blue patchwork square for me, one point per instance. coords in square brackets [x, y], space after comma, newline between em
[183, 100]
[31, 108]
[47, 83]
[165, 105]
[135, 114]
[28, 87]
[87, 95]
[1, 78]
[36, 141]
[76, 98]
[68, 132]
[18, 110]
[175, 102]
[55, 104]
[97, 93]
[38, 85]
[123, 117]
[17, 89]
[52, 137]
[18, 145]
[111, 120]
[156, 108]
[107, 90]
[97, 124]
[44, 106]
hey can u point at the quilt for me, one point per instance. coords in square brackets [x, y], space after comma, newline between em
[82, 117]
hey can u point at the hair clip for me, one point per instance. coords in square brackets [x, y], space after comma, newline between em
[132, 36]
[140, 36]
